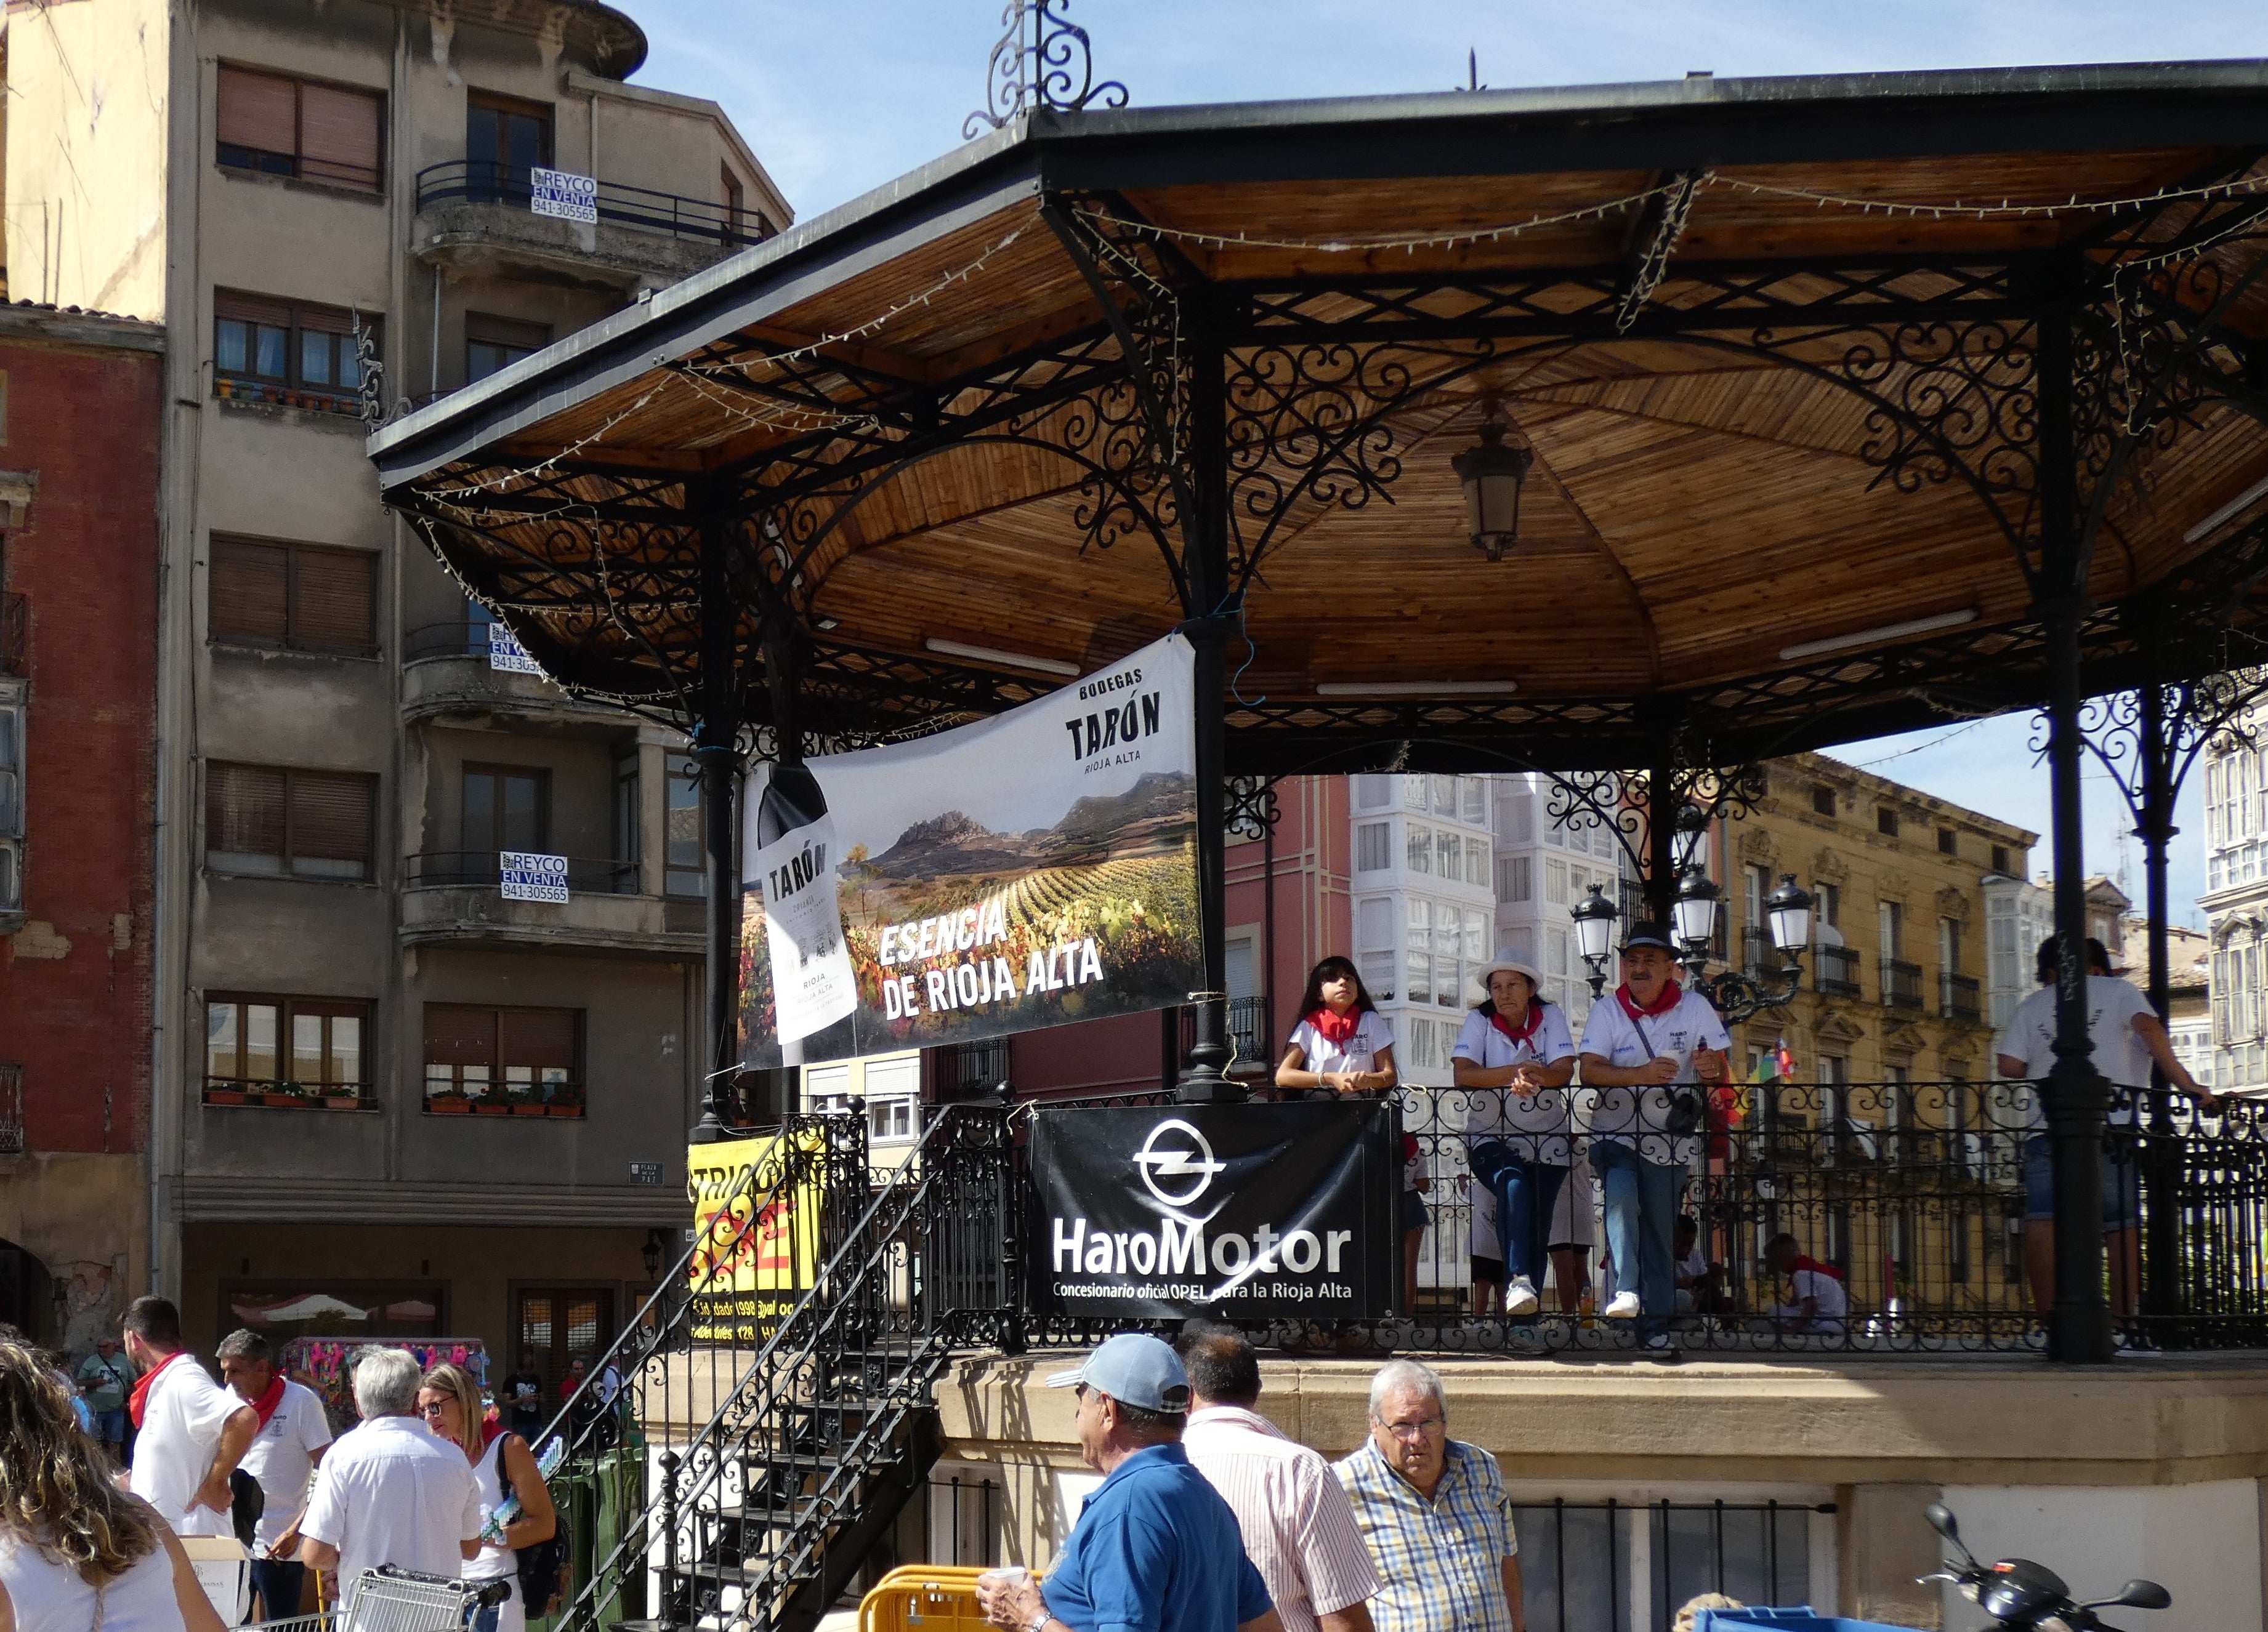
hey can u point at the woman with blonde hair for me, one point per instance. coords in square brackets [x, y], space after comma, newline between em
[78, 1554]
[504, 1466]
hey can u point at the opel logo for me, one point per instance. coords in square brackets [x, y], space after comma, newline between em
[1174, 1150]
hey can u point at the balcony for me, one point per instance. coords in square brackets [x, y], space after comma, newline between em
[1250, 1037]
[476, 216]
[1758, 956]
[1834, 971]
[1901, 984]
[446, 671]
[1960, 997]
[451, 897]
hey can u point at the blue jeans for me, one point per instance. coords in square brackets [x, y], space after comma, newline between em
[278, 1583]
[1642, 1199]
[1525, 1192]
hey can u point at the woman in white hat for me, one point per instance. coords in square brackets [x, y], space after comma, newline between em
[1515, 1057]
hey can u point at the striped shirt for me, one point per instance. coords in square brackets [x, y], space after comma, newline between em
[1299, 1528]
[1442, 1560]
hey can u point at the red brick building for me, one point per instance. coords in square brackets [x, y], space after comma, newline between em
[80, 397]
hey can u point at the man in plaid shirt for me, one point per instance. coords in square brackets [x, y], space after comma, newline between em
[1433, 1510]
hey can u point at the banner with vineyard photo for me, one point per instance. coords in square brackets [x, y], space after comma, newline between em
[1026, 870]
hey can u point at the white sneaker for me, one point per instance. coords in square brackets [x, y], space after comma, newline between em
[1520, 1296]
[1623, 1306]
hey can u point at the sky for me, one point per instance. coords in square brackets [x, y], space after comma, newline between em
[839, 99]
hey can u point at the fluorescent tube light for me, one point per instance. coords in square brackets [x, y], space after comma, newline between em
[1007, 659]
[1869, 637]
[2236, 507]
[1417, 688]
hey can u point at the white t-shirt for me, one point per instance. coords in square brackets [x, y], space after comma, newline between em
[282, 1458]
[1535, 1126]
[182, 1419]
[1372, 1037]
[50, 1596]
[1834, 1302]
[391, 1492]
[2119, 1055]
[1640, 1116]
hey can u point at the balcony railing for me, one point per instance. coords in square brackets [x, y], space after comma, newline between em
[15, 637]
[1251, 1040]
[460, 637]
[1835, 971]
[529, 1099]
[12, 1109]
[1901, 984]
[486, 181]
[1758, 955]
[286, 1095]
[435, 869]
[1960, 998]
[969, 1070]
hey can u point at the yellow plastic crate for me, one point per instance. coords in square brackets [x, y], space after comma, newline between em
[924, 1598]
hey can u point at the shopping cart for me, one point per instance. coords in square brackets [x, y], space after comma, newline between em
[388, 1600]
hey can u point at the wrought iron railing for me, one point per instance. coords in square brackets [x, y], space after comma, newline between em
[585, 876]
[458, 637]
[1835, 971]
[1960, 998]
[1758, 955]
[487, 181]
[1901, 984]
[969, 1070]
[1251, 1040]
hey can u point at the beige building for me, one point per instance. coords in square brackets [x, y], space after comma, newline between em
[389, 1102]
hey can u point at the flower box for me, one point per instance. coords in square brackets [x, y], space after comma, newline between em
[562, 1110]
[492, 1110]
[284, 1101]
[448, 1107]
[343, 1101]
[527, 1110]
[224, 1096]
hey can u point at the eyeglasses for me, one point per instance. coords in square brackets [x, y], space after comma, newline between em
[1078, 1392]
[1419, 1430]
[434, 1407]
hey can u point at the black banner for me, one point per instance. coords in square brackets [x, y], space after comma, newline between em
[1243, 1211]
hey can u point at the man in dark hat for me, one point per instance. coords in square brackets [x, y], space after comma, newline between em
[1650, 1053]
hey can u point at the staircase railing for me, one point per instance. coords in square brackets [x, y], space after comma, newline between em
[784, 1427]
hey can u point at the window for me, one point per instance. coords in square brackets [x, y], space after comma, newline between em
[735, 200]
[2000, 859]
[1757, 886]
[293, 596]
[11, 799]
[1894, 931]
[1413, 793]
[1477, 861]
[1445, 796]
[1886, 821]
[1555, 881]
[499, 1059]
[504, 139]
[491, 343]
[1474, 793]
[1378, 975]
[1949, 841]
[309, 1048]
[1516, 817]
[280, 127]
[1420, 848]
[1829, 899]
[1418, 930]
[1448, 851]
[1373, 793]
[1822, 801]
[280, 823]
[506, 807]
[1374, 922]
[626, 806]
[685, 871]
[1374, 850]
[1948, 945]
[287, 351]
[1515, 878]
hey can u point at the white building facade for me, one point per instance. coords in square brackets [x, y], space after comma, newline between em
[2019, 915]
[2235, 902]
[1543, 867]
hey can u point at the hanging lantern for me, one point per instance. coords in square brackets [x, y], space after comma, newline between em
[1491, 474]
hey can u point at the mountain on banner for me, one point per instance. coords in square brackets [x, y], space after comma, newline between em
[952, 845]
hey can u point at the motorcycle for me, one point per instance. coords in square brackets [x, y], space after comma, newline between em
[2024, 1596]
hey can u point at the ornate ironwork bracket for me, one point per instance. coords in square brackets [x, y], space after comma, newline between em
[1622, 802]
[1250, 809]
[1043, 59]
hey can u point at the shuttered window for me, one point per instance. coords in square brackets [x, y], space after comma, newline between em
[494, 1057]
[294, 596]
[282, 823]
[275, 125]
[289, 351]
[312, 1047]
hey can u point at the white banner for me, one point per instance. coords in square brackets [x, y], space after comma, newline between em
[1026, 870]
[531, 876]
[506, 653]
[565, 195]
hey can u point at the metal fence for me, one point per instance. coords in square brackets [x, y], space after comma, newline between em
[489, 181]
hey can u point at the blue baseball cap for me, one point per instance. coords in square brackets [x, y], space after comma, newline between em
[1136, 1369]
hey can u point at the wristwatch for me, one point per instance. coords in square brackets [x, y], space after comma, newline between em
[1041, 1624]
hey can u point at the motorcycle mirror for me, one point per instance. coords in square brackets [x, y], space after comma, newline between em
[1941, 1520]
[2140, 1594]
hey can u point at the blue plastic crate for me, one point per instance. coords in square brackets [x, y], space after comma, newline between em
[1786, 1621]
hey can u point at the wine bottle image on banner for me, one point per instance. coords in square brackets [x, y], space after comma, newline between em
[794, 865]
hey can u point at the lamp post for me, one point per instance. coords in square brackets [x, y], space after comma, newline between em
[1594, 935]
[1491, 474]
[1736, 993]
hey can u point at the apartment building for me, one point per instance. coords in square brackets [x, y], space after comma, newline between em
[391, 1097]
[2236, 901]
[1548, 856]
[80, 398]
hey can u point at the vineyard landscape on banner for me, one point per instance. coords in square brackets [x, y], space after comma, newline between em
[755, 1234]
[1023, 871]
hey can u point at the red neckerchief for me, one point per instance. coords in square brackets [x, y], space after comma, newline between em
[1670, 994]
[139, 1404]
[268, 1404]
[1815, 1266]
[1527, 1029]
[491, 1430]
[1336, 1029]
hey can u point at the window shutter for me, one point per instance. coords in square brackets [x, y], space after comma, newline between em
[539, 1037]
[246, 591]
[460, 1034]
[243, 813]
[334, 601]
[338, 136]
[251, 309]
[331, 820]
[258, 110]
[330, 320]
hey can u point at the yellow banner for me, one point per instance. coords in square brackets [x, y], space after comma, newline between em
[755, 1231]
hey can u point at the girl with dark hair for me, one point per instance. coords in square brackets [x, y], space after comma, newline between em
[1342, 1044]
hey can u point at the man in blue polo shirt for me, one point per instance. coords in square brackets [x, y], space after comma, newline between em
[1155, 1548]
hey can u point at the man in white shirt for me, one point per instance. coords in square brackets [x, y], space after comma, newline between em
[189, 1432]
[1817, 1301]
[294, 1432]
[1297, 1522]
[2127, 1037]
[390, 1492]
[1651, 1053]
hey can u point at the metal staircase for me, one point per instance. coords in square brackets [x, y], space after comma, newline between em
[769, 1431]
